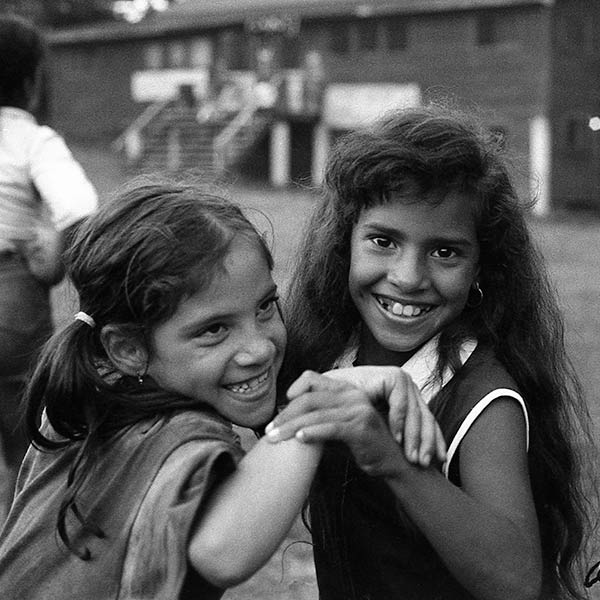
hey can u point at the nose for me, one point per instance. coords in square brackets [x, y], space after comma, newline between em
[256, 348]
[407, 271]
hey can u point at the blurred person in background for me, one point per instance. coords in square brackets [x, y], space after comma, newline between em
[44, 192]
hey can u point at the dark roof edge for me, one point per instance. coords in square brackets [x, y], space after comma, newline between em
[163, 24]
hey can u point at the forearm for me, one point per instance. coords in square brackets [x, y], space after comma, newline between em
[488, 553]
[250, 513]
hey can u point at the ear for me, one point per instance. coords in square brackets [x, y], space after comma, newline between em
[128, 354]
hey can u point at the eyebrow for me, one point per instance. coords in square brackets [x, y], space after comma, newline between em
[377, 227]
[217, 316]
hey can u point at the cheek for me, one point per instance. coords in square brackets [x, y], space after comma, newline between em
[278, 336]
[458, 288]
[364, 270]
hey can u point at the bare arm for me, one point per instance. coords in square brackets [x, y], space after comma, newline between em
[486, 532]
[341, 404]
[249, 514]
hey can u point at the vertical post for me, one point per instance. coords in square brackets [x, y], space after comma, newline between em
[320, 151]
[280, 155]
[540, 163]
[173, 149]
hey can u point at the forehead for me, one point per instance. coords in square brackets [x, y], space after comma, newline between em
[451, 215]
[242, 278]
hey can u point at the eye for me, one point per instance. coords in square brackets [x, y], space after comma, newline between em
[267, 308]
[214, 329]
[382, 241]
[445, 252]
[212, 334]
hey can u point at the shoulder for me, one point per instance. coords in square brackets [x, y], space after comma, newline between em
[45, 141]
[182, 427]
[481, 388]
[20, 132]
[208, 453]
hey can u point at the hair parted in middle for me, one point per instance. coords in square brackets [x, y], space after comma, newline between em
[419, 154]
[424, 154]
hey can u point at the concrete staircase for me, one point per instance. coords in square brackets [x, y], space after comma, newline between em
[174, 140]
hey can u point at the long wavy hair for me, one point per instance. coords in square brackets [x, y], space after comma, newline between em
[428, 153]
[131, 263]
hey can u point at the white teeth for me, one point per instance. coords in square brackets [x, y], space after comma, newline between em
[403, 310]
[250, 385]
[397, 308]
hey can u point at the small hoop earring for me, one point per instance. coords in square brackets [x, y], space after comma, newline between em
[140, 377]
[478, 300]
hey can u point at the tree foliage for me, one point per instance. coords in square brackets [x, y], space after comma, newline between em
[67, 13]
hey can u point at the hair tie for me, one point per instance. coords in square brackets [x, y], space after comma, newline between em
[81, 316]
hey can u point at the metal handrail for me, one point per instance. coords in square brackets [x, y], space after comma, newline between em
[225, 137]
[139, 123]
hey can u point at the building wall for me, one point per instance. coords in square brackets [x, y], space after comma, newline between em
[575, 99]
[90, 88]
[504, 74]
[495, 60]
[91, 82]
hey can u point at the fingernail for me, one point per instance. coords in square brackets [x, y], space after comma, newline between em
[300, 435]
[414, 456]
[269, 427]
[425, 459]
[272, 434]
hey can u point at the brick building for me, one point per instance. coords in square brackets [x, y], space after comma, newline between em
[532, 67]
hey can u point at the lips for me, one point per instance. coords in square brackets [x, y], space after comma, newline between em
[401, 309]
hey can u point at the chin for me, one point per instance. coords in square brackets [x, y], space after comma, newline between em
[259, 419]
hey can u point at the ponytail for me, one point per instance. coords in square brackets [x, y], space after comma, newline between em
[66, 371]
[131, 265]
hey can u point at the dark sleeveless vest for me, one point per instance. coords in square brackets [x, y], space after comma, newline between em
[365, 547]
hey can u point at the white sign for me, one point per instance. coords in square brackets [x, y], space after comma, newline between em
[157, 85]
[352, 105]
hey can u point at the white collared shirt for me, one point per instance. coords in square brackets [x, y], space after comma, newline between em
[421, 367]
[39, 178]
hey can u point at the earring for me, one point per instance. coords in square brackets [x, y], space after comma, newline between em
[476, 287]
[140, 377]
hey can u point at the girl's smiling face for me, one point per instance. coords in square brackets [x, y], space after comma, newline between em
[224, 345]
[412, 265]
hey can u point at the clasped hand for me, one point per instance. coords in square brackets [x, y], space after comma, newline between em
[341, 405]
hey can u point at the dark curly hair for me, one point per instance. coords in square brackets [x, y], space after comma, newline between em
[433, 151]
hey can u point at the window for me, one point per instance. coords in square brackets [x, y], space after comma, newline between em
[487, 29]
[177, 54]
[367, 34]
[339, 38]
[572, 34]
[578, 135]
[201, 52]
[395, 34]
[153, 56]
[239, 52]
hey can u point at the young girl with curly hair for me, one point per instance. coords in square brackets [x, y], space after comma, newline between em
[419, 256]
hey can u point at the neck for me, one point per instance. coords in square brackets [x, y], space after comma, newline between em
[370, 352]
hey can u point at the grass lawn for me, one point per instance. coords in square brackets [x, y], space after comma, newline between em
[567, 241]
